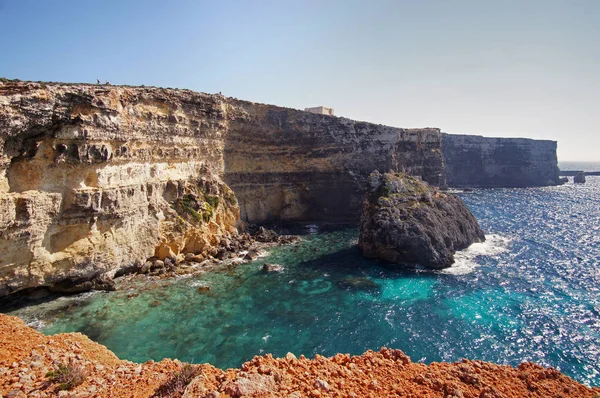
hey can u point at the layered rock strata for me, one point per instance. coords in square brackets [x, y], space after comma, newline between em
[287, 165]
[96, 179]
[406, 221]
[475, 161]
[26, 357]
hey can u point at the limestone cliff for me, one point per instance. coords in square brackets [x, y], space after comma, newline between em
[289, 165]
[95, 179]
[475, 161]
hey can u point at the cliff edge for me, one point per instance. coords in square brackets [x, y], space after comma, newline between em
[96, 179]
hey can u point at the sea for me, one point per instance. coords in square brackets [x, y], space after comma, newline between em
[530, 292]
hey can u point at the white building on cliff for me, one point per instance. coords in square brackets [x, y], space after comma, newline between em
[320, 110]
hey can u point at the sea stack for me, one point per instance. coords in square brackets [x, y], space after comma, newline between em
[579, 178]
[406, 221]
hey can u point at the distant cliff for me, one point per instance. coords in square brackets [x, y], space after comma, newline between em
[475, 161]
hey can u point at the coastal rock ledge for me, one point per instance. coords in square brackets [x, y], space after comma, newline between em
[27, 357]
[406, 221]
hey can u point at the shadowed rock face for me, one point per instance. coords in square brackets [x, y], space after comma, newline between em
[475, 161]
[288, 165]
[406, 221]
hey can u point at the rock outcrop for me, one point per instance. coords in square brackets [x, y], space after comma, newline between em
[475, 161]
[406, 221]
[26, 357]
[579, 178]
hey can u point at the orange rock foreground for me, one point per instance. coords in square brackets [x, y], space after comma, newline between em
[26, 356]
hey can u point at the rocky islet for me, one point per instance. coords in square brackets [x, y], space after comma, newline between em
[406, 221]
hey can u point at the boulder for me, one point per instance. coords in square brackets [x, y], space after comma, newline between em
[406, 221]
[272, 267]
[579, 178]
[251, 255]
[266, 235]
[203, 289]
[72, 286]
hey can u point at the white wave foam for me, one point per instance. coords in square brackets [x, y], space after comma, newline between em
[465, 260]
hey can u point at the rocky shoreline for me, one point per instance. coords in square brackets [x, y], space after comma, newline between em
[29, 360]
[230, 252]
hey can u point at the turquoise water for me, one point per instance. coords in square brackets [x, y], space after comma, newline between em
[531, 292]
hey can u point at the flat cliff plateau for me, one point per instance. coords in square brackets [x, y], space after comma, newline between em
[96, 179]
[476, 161]
[27, 357]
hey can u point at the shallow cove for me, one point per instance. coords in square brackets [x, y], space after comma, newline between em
[531, 292]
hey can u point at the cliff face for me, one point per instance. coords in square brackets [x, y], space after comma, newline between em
[288, 165]
[475, 161]
[96, 179]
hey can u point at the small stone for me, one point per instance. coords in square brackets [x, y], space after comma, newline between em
[272, 268]
[251, 255]
[203, 289]
[290, 357]
[322, 384]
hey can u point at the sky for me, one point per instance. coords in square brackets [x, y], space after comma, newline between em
[510, 68]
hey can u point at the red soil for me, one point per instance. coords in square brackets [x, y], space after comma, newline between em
[26, 356]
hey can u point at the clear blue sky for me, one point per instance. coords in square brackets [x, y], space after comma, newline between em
[522, 68]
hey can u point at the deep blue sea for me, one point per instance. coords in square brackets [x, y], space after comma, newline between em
[530, 292]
